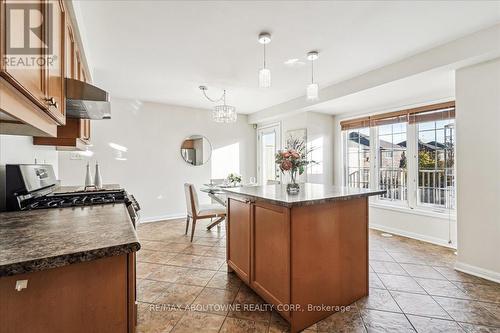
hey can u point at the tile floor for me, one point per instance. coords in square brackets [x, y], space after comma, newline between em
[413, 287]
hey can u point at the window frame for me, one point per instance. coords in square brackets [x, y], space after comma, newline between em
[412, 202]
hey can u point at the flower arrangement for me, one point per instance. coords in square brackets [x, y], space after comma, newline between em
[234, 179]
[293, 159]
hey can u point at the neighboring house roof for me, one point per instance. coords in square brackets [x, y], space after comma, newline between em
[365, 141]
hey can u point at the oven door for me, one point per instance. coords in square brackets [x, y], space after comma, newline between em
[133, 215]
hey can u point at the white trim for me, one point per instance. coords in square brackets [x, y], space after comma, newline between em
[416, 211]
[478, 271]
[162, 218]
[424, 238]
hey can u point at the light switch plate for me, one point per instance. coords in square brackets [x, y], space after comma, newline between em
[75, 156]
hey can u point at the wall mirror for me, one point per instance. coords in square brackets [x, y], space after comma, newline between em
[196, 150]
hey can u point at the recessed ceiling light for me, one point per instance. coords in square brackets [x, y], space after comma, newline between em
[294, 62]
[385, 234]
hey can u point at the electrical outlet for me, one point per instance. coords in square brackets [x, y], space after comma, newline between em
[75, 156]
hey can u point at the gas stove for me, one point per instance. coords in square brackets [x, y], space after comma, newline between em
[77, 199]
[34, 186]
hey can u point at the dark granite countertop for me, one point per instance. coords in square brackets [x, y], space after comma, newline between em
[310, 194]
[47, 238]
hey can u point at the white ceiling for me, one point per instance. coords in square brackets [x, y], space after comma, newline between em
[432, 86]
[163, 50]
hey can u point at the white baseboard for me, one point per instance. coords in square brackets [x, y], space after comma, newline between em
[478, 271]
[162, 218]
[424, 238]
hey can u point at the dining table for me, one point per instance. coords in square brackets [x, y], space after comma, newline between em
[217, 193]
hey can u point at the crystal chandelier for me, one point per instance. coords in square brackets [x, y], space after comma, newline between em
[264, 73]
[221, 113]
[312, 90]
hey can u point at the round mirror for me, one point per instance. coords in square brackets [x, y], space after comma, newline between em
[196, 150]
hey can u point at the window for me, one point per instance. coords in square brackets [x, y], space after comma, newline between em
[392, 162]
[436, 163]
[408, 153]
[358, 157]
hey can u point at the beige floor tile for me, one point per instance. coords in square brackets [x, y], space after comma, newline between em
[387, 267]
[214, 300]
[454, 275]
[179, 295]
[224, 280]
[168, 273]
[481, 292]
[401, 283]
[342, 322]
[420, 305]
[374, 281]
[193, 261]
[470, 328]
[149, 290]
[381, 321]
[378, 299]
[236, 325]
[144, 270]
[248, 305]
[433, 325]
[198, 322]
[152, 319]
[441, 288]
[422, 271]
[468, 311]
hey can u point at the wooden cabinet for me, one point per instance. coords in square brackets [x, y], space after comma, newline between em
[270, 246]
[75, 134]
[34, 66]
[306, 260]
[32, 71]
[93, 296]
[238, 233]
[56, 65]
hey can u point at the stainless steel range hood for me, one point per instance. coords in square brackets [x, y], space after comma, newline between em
[86, 101]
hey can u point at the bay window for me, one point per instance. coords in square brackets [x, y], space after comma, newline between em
[408, 153]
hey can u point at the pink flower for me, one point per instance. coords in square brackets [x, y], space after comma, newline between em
[285, 154]
[286, 165]
[295, 155]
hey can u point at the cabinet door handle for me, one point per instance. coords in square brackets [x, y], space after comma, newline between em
[51, 101]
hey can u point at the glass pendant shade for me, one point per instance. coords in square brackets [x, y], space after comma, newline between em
[264, 78]
[224, 114]
[312, 91]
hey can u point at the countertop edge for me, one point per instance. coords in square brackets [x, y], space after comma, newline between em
[41, 264]
[305, 202]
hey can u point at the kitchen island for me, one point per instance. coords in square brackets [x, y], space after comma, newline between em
[307, 253]
[68, 270]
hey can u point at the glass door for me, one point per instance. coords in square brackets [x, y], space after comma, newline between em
[268, 144]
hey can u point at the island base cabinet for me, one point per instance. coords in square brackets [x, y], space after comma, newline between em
[308, 261]
[93, 296]
[238, 234]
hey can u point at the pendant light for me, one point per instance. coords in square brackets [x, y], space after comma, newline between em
[264, 73]
[312, 90]
[221, 113]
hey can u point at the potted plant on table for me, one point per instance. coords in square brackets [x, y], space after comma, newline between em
[234, 179]
[293, 159]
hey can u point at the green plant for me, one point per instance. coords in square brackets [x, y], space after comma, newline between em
[234, 178]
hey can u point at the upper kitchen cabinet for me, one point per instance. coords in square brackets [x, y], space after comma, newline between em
[75, 134]
[32, 48]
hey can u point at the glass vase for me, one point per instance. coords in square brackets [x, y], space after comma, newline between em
[293, 187]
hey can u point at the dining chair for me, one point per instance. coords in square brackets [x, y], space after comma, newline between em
[196, 212]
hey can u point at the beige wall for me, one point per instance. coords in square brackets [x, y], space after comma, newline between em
[478, 168]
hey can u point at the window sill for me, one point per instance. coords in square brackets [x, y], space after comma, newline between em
[442, 214]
